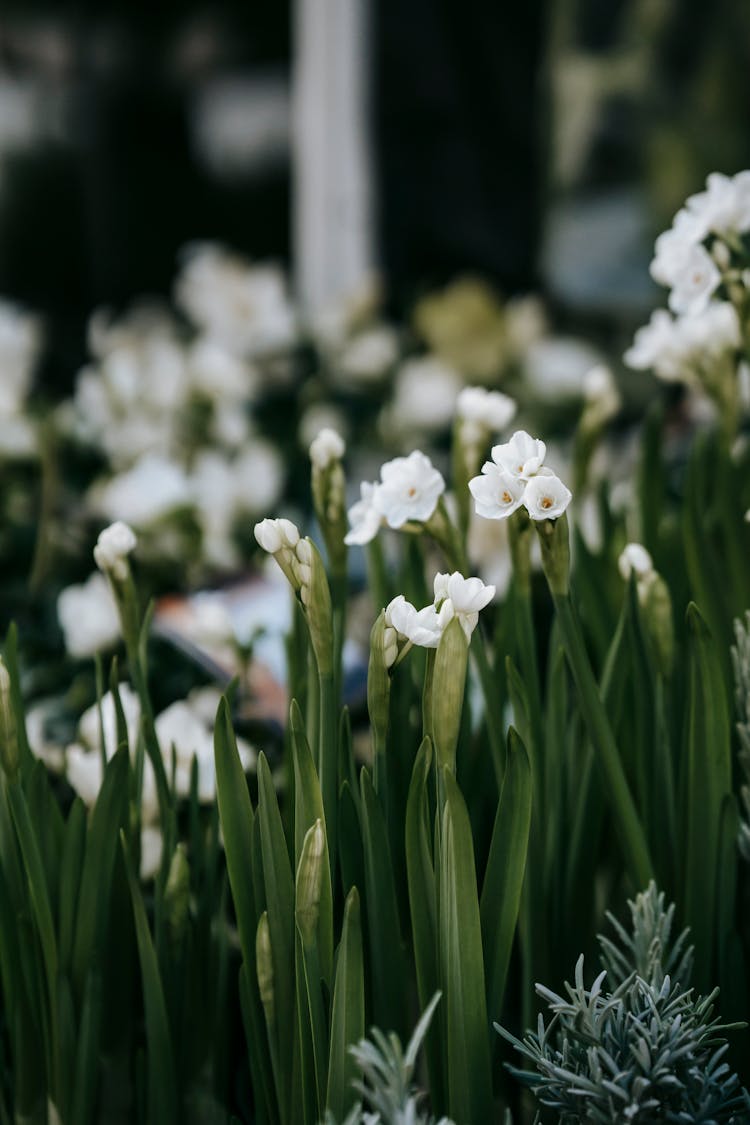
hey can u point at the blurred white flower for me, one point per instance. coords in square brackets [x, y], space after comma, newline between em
[555, 366]
[181, 729]
[20, 340]
[601, 396]
[635, 559]
[89, 728]
[219, 374]
[242, 306]
[327, 446]
[697, 281]
[88, 616]
[546, 497]
[320, 416]
[409, 490]
[112, 548]
[674, 246]
[18, 437]
[152, 846]
[153, 488]
[492, 410]
[364, 518]
[497, 493]
[424, 395]
[678, 349]
[522, 456]
[724, 207]
[367, 357]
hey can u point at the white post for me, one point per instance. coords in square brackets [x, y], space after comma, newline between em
[331, 150]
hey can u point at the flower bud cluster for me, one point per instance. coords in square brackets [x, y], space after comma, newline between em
[455, 596]
[111, 552]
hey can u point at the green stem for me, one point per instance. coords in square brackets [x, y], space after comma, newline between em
[627, 822]
[328, 766]
[493, 715]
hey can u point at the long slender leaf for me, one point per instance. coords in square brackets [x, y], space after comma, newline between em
[348, 1012]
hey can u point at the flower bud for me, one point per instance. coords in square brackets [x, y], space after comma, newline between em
[656, 604]
[310, 883]
[9, 758]
[379, 680]
[112, 548]
[448, 684]
[264, 969]
[316, 597]
[177, 895]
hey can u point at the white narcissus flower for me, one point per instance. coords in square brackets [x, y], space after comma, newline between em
[88, 616]
[492, 410]
[724, 207]
[424, 395]
[150, 490]
[497, 493]
[409, 490]
[364, 518]
[698, 280]
[326, 447]
[635, 559]
[465, 596]
[546, 497]
[674, 246]
[112, 548]
[367, 357]
[677, 349]
[522, 456]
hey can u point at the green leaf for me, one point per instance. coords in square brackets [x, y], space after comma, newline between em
[236, 813]
[107, 817]
[74, 847]
[467, 1029]
[506, 864]
[385, 945]
[87, 1054]
[423, 907]
[348, 1013]
[708, 782]
[162, 1088]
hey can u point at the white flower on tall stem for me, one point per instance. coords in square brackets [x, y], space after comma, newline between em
[113, 546]
[409, 490]
[497, 493]
[546, 497]
[696, 283]
[465, 596]
[522, 456]
[421, 627]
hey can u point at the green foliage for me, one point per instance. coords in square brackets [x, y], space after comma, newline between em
[646, 1049]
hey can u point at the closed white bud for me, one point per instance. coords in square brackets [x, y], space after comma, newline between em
[112, 549]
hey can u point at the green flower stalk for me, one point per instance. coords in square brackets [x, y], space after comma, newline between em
[383, 654]
[177, 896]
[264, 968]
[448, 686]
[328, 493]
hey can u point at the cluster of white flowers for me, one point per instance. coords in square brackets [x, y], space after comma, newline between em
[680, 349]
[243, 307]
[517, 476]
[184, 729]
[682, 261]
[408, 492]
[455, 596]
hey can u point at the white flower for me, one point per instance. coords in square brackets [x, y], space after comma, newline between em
[365, 519]
[219, 374]
[522, 456]
[88, 616]
[89, 724]
[326, 447]
[368, 356]
[674, 246]
[275, 534]
[245, 308]
[697, 281]
[181, 729]
[497, 493]
[20, 338]
[422, 627]
[466, 597]
[724, 207]
[150, 490]
[425, 395]
[555, 367]
[258, 476]
[546, 497]
[409, 490]
[678, 349]
[601, 395]
[635, 559]
[654, 346]
[490, 409]
[112, 548]
[152, 846]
